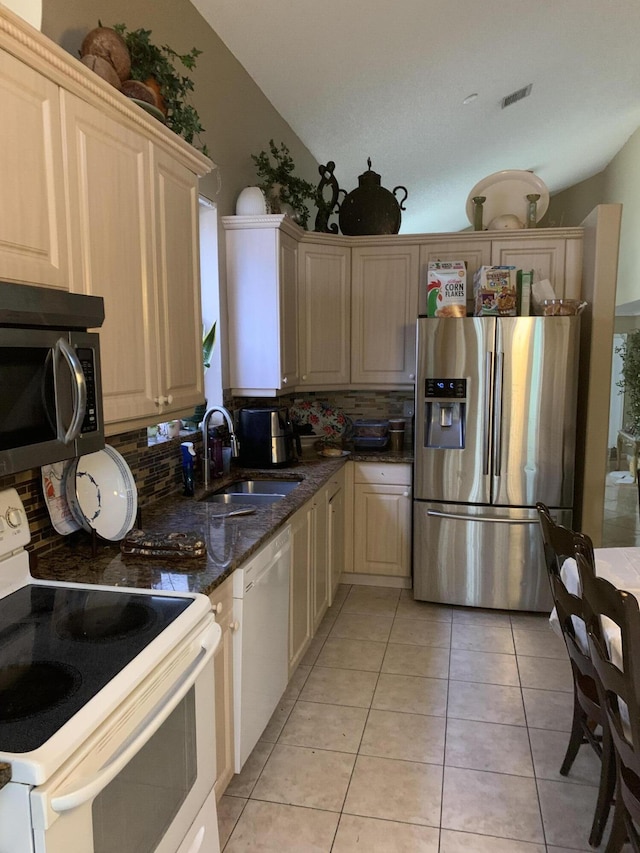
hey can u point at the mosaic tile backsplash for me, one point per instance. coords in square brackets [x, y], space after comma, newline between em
[157, 468]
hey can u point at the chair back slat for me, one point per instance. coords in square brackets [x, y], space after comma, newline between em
[561, 544]
[619, 679]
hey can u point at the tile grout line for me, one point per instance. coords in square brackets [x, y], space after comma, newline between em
[526, 720]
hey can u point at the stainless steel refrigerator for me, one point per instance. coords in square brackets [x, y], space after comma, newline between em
[495, 420]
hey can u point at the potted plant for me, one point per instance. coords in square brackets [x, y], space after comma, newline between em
[280, 186]
[208, 343]
[156, 67]
[629, 384]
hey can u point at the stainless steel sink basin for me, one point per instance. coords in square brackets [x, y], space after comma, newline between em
[259, 487]
[253, 492]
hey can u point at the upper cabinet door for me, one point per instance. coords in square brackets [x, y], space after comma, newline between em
[324, 287]
[555, 258]
[33, 240]
[108, 173]
[288, 277]
[178, 283]
[384, 306]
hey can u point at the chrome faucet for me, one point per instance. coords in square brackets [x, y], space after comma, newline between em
[205, 439]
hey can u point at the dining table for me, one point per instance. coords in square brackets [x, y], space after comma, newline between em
[621, 567]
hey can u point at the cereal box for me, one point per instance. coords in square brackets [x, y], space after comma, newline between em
[447, 289]
[495, 292]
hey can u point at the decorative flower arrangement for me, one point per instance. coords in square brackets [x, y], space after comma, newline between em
[280, 185]
[130, 62]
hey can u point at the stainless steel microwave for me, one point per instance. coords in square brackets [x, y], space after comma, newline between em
[50, 386]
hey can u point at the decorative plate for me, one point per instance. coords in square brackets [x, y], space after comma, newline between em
[106, 493]
[506, 192]
[54, 478]
[149, 108]
[333, 455]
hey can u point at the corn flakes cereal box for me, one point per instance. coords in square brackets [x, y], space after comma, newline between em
[447, 289]
[495, 291]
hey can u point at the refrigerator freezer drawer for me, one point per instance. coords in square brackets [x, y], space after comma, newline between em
[481, 556]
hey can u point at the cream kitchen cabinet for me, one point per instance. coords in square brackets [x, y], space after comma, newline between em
[262, 300]
[133, 214]
[33, 236]
[557, 258]
[384, 308]
[324, 318]
[382, 519]
[310, 591]
[222, 603]
[300, 586]
[336, 531]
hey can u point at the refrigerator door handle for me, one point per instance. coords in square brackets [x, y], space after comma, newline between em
[497, 416]
[483, 518]
[486, 417]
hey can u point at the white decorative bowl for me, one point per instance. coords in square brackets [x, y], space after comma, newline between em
[251, 202]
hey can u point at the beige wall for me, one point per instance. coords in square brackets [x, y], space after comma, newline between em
[618, 183]
[238, 118]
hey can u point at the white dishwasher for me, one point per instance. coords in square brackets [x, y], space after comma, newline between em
[261, 643]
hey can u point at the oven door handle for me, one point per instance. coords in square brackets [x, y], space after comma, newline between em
[89, 788]
[64, 348]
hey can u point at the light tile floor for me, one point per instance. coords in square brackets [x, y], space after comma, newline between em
[416, 728]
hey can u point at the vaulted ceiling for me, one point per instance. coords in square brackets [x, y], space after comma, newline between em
[358, 79]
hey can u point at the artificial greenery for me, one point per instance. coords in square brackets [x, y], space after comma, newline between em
[630, 382]
[159, 63]
[278, 178]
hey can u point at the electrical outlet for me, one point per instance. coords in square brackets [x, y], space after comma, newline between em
[408, 409]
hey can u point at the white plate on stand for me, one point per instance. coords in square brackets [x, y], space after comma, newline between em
[506, 192]
[103, 493]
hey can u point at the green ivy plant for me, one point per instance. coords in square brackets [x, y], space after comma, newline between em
[630, 382]
[148, 60]
[280, 185]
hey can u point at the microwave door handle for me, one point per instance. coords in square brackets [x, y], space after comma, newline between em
[87, 789]
[79, 391]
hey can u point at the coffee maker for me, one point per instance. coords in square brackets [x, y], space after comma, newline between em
[267, 438]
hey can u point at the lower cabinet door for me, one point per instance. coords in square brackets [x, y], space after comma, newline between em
[382, 530]
[300, 591]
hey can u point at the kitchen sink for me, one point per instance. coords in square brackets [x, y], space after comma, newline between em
[253, 492]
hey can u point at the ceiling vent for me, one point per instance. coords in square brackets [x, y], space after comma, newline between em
[516, 96]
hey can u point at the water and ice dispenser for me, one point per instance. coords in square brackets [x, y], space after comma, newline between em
[444, 413]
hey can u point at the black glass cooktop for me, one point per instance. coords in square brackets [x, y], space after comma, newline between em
[59, 646]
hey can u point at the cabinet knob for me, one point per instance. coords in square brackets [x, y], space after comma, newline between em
[284, 380]
[169, 399]
[412, 376]
[304, 376]
[158, 401]
[406, 494]
[234, 625]
[217, 608]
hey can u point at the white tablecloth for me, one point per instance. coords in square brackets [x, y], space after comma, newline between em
[620, 566]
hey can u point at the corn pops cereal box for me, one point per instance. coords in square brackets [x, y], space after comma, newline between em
[447, 289]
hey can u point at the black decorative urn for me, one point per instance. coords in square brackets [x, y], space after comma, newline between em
[371, 209]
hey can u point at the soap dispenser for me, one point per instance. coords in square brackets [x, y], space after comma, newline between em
[188, 459]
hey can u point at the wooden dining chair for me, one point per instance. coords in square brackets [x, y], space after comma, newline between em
[589, 723]
[615, 654]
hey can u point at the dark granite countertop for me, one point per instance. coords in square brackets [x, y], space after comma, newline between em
[229, 541]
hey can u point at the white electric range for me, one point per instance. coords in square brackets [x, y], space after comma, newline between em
[106, 712]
